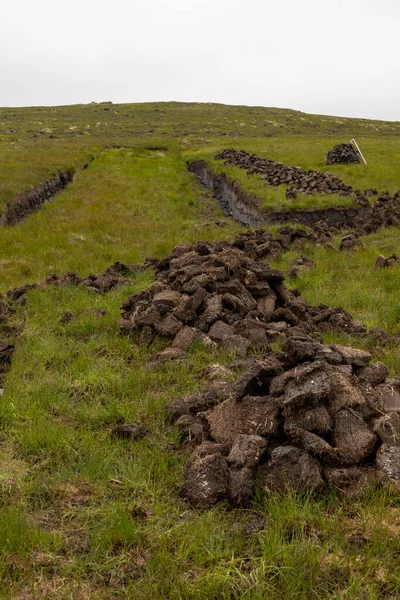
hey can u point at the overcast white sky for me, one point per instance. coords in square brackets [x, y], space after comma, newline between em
[338, 57]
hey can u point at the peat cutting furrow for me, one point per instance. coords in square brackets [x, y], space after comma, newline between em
[246, 209]
[6, 345]
[234, 201]
[335, 217]
[24, 204]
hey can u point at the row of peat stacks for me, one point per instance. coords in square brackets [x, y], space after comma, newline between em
[277, 173]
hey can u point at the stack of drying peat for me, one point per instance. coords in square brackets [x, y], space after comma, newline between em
[342, 154]
[276, 173]
[304, 417]
[307, 418]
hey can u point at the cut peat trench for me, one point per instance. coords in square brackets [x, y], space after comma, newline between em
[24, 204]
[232, 198]
[20, 207]
[246, 209]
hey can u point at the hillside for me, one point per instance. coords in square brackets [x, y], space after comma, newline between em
[94, 498]
[47, 139]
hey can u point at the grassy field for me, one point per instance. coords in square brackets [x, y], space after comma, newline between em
[84, 515]
[381, 172]
[36, 142]
[88, 516]
[129, 204]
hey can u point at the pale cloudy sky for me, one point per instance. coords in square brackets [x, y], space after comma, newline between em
[338, 57]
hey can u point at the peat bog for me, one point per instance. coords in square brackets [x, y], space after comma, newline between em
[216, 414]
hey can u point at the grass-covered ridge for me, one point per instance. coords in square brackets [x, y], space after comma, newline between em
[36, 142]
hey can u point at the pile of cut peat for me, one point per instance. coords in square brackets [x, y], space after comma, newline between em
[225, 293]
[277, 173]
[342, 154]
[305, 417]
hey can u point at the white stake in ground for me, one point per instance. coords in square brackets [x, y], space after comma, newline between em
[357, 149]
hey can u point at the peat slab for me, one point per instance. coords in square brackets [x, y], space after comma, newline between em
[234, 201]
[302, 428]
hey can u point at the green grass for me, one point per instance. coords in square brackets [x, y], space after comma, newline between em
[89, 515]
[84, 515]
[349, 279]
[128, 205]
